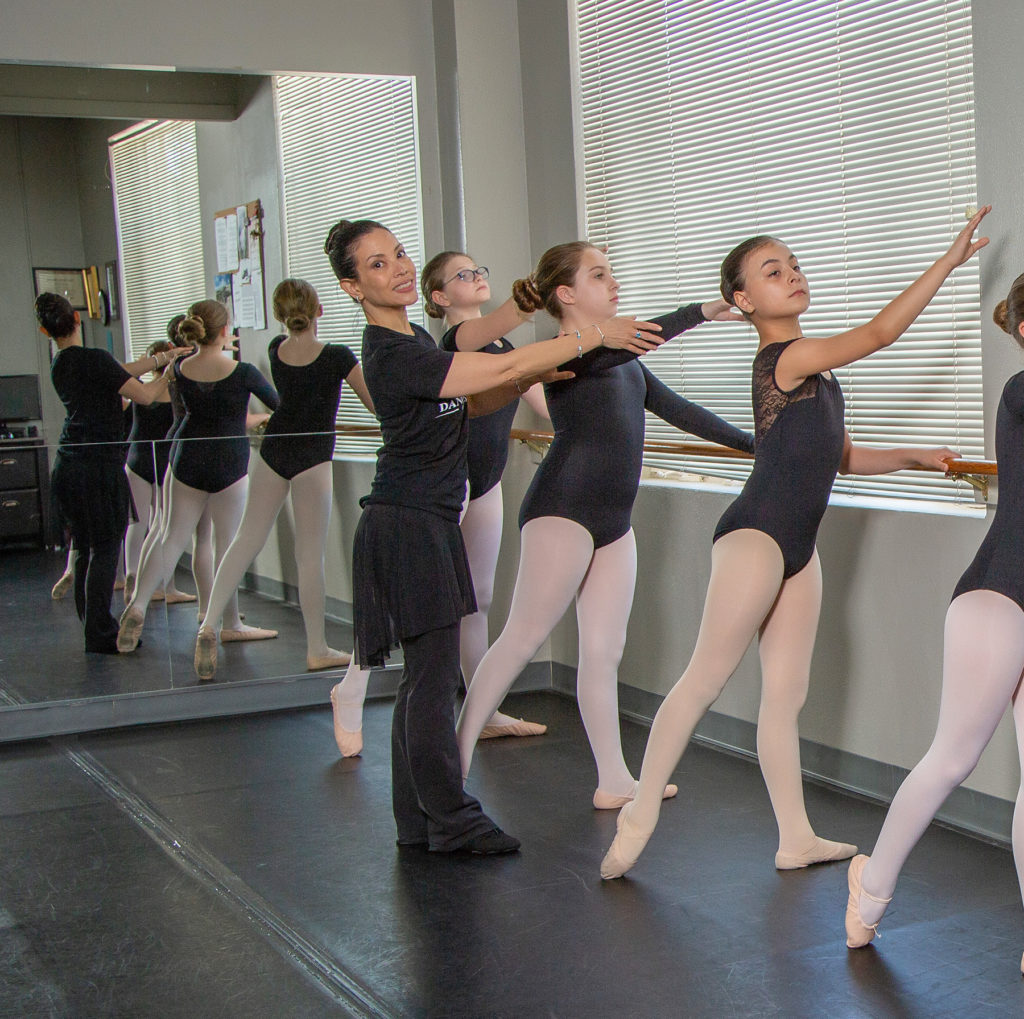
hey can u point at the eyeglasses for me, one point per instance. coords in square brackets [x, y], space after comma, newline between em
[469, 275]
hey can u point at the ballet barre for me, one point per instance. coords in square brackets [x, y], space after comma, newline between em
[975, 472]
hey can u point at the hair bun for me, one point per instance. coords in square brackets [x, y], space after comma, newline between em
[297, 322]
[1001, 317]
[191, 329]
[339, 228]
[526, 295]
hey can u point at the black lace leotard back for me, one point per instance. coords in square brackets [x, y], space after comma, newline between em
[800, 436]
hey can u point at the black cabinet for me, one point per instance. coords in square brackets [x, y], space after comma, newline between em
[24, 490]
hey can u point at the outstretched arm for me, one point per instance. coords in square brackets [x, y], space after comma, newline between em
[871, 460]
[808, 356]
[472, 373]
[477, 333]
[691, 417]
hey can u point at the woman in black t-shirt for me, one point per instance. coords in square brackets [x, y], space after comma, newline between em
[411, 581]
[295, 456]
[89, 481]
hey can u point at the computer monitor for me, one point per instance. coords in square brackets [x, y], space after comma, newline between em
[19, 398]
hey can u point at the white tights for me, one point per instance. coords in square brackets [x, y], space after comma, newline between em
[311, 505]
[202, 546]
[481, 526]
[559, 562]
[746, 593]
[982, 664]
[185, 507]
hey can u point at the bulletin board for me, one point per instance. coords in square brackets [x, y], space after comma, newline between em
[239, 280]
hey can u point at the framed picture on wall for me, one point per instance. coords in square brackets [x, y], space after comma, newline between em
[113, 291]
[69, 283]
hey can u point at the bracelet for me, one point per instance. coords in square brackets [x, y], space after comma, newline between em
[156, 362]
[599, 333]
[515, 382]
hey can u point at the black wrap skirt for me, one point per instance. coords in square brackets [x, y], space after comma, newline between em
[410, 575]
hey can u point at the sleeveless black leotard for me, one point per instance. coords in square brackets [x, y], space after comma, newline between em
[309, 395]
[216, 413]
[999, 564]
[150, 425]
[488, 435]
[800, 437]
[591, 474]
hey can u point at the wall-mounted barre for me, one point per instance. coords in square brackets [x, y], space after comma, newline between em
[975, 472]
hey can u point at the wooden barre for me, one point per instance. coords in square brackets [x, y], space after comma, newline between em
[956, 467]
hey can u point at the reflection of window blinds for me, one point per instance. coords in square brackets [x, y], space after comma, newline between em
[159, 231]
[844, 128]
[348, 150]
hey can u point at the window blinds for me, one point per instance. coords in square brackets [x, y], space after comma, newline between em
[159, 229]
[844, 128]
[348, 151]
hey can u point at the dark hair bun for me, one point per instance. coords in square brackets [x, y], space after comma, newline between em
[297, 322]
[526, 295]
[337, 232]
[1001, 316]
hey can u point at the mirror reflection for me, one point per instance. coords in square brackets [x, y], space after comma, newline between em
[272, 623]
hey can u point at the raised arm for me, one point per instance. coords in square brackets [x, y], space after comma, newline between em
[476, 333]
[691, 417]
[155, 362]
[472, 373]
[809, 356]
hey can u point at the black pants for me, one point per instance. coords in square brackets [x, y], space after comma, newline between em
[92, 498]
[429, 802]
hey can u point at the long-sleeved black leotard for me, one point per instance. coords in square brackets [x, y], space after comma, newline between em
[592, 472]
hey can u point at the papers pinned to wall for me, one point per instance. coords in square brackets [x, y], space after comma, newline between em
[239, 282]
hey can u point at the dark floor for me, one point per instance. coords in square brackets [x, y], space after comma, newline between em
[43, 659]
[239, 867]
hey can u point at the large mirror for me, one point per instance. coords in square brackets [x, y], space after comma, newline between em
[58, 199]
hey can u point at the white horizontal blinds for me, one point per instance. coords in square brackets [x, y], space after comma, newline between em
[349, 151]
[844, 128]
[156, 199]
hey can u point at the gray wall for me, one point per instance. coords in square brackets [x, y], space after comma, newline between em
[56, 209]
[505, 82]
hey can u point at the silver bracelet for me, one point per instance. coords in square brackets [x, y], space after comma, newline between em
[599, 333]
[156, 362]
[515, 382]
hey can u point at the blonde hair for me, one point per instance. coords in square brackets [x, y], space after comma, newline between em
[296, 304]
[433, 278]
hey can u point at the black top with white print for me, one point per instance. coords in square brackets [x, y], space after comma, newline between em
[422, 462]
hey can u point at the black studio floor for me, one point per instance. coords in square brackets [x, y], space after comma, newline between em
[240, 868]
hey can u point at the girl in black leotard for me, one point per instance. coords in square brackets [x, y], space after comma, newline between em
[202, 540]
[765, 576]
[410, 577]
[89, 482]
[209, 461]
[148, 458]
[983, 660]
[576, 536]
[295, 456]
